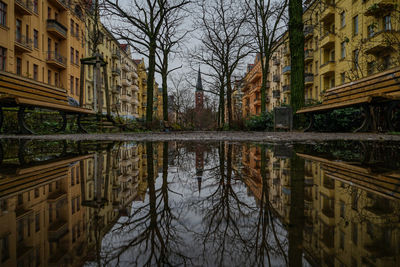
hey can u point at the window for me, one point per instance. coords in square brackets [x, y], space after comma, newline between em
[35, 6]
[72, 55]
[49, 13]
[342, 209]
[50, 188]
[342, 77]
[76, 57]
[355, 25]
[370, 68]
[49, 76]
[343, 19]
[18, 30]
[56, 78]
[77, 30]
[72, 27]
[355, 58]
[354, 200]
[342, 50]
[72, 170]
[36, 38]
[20, 228]
[37, 222]
[3, 13]
[35, 72]
[78, 203]
[341, 240]
[3, 57]
[19, 66]
[354, 233]
[36, 192]
[387, 24]
[5, 248]
[72, 84]
[73, 205]
[77, 174]
[20, 199]
[371, 31]
[77, 87]
[386, 62]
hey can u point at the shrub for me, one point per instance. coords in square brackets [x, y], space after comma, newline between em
[340, 120]
[264, 121]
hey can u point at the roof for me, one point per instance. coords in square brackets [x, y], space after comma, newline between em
[199, 85]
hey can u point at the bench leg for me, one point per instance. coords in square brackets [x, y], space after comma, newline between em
[78, 123]
[389, 113]
[64, 122]
[365, 126]
[23, 128]
[311, 123]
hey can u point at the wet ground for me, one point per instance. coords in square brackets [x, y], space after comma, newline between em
[219, 203]
[216, 136]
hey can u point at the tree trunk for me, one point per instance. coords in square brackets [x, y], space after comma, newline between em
[229, 99]
[165, 96]
[222, 105]
[296, 43]
[150, 81]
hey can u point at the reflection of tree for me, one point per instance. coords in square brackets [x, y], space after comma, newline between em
[151, 235]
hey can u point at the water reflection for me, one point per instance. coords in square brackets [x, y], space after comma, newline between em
[68, 203]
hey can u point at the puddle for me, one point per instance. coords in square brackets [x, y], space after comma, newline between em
[70, 203]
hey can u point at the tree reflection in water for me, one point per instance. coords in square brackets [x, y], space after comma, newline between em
[196, 204]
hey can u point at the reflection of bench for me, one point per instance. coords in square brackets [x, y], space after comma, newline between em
[385, 184]
[377, 90]
[16, 91]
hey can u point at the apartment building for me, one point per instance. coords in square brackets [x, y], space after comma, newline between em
[344, 41]
[43, 41]
[129, 104]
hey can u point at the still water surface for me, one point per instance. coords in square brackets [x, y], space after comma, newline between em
[68, 203]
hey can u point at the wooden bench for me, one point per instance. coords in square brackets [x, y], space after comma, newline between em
[378, 90]
[16, 91]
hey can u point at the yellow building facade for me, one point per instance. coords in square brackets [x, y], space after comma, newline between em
[43, 41]
[344, 41]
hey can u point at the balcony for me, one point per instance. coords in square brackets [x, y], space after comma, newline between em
[125, 98]
[308, 55]
[276, 93]
[23, 43]
[276, 61]
[379, 41]
[380, 8]
[135, 88]
[126, 82]
[286, 70]
[57, 196]
[57, 230]
[328, 67]
[328, 40]
[56, 60]
[24, 7]
[308, 79]
[116, 71]
[308, 31]
[59, 4]
[116, 54]
[116, 89]
[286, 88]
[328, 14]
[57, 29]
[276, 78]
[257, 102]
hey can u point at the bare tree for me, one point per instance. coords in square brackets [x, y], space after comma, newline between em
[224, 42]
[171, 35]
[140, 25]
[267, 24]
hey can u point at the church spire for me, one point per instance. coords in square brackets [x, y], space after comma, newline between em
[199, 85]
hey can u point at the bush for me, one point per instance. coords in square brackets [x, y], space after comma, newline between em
[340, 120]
[262, 122]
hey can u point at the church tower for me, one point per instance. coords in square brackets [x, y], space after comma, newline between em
[199, 93]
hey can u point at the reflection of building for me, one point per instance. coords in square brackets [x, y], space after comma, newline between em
[56, 211]
[351, 212]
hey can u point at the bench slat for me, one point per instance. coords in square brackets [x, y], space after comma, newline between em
[29, 96]
[62, 107]
[18, 90]
[33, 85]
[342, 104]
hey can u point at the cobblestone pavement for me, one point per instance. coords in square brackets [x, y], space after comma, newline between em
[216, 136]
